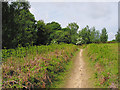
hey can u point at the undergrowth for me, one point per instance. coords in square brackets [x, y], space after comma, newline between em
[35, 66]
[104, 60]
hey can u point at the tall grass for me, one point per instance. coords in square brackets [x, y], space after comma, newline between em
[35, 66]
[104, 60]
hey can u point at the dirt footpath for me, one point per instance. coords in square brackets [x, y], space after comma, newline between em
[79, 76]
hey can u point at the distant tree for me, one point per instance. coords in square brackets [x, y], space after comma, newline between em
[85, 35]
[104, 35]
[113, 40]
[79, 41]
[72, 29]
[61, 36]
[97, 36]
[67, 36]
[58, 36]
[94, 35]
[53, 27]
[117, 36]
[65, 29]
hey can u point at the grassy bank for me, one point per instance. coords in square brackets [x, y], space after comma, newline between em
[103, 59]
[36, 66]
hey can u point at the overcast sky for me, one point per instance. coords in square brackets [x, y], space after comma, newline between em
[98, 14]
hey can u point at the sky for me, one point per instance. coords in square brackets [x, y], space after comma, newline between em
[94, 13]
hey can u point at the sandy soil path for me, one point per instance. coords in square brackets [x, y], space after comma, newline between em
[78, 77]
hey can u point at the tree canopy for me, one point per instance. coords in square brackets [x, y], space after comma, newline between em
[19, 27]
[104, 35]
[117, 36]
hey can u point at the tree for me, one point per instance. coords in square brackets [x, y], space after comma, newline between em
[79, 41]
[5, 24]
[97, 36]
[18, 25]
[58, 36]
[25, 22]
[104, 35]
[42, 33]
[53, 27]
[20, 28]
[117, 36]
[72, 29]
[85, 35]
[61, 36]
[94, 35]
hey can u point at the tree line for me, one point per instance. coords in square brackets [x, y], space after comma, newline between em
[19, 28]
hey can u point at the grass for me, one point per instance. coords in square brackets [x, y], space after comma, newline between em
[103, 59]
[66, 75]
[36, 66]
[62, 76]
[90, 70]
[0, 77]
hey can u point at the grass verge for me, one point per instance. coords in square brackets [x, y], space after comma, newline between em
[90, 70]
[65, 75]
[103, 59]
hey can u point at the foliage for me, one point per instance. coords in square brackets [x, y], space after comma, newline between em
[103, 36]
[21, 28]
[35, 66]
[117, 36]
[85, 35]
[94, 35]
[18, 25]
[42, 33]
[91, 35]
[104, 59]
[54, 26]
[72, 29]
[79, 41]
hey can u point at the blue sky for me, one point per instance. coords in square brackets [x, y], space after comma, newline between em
[98, 14]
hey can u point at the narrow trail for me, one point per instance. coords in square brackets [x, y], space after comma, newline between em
[78, 77]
